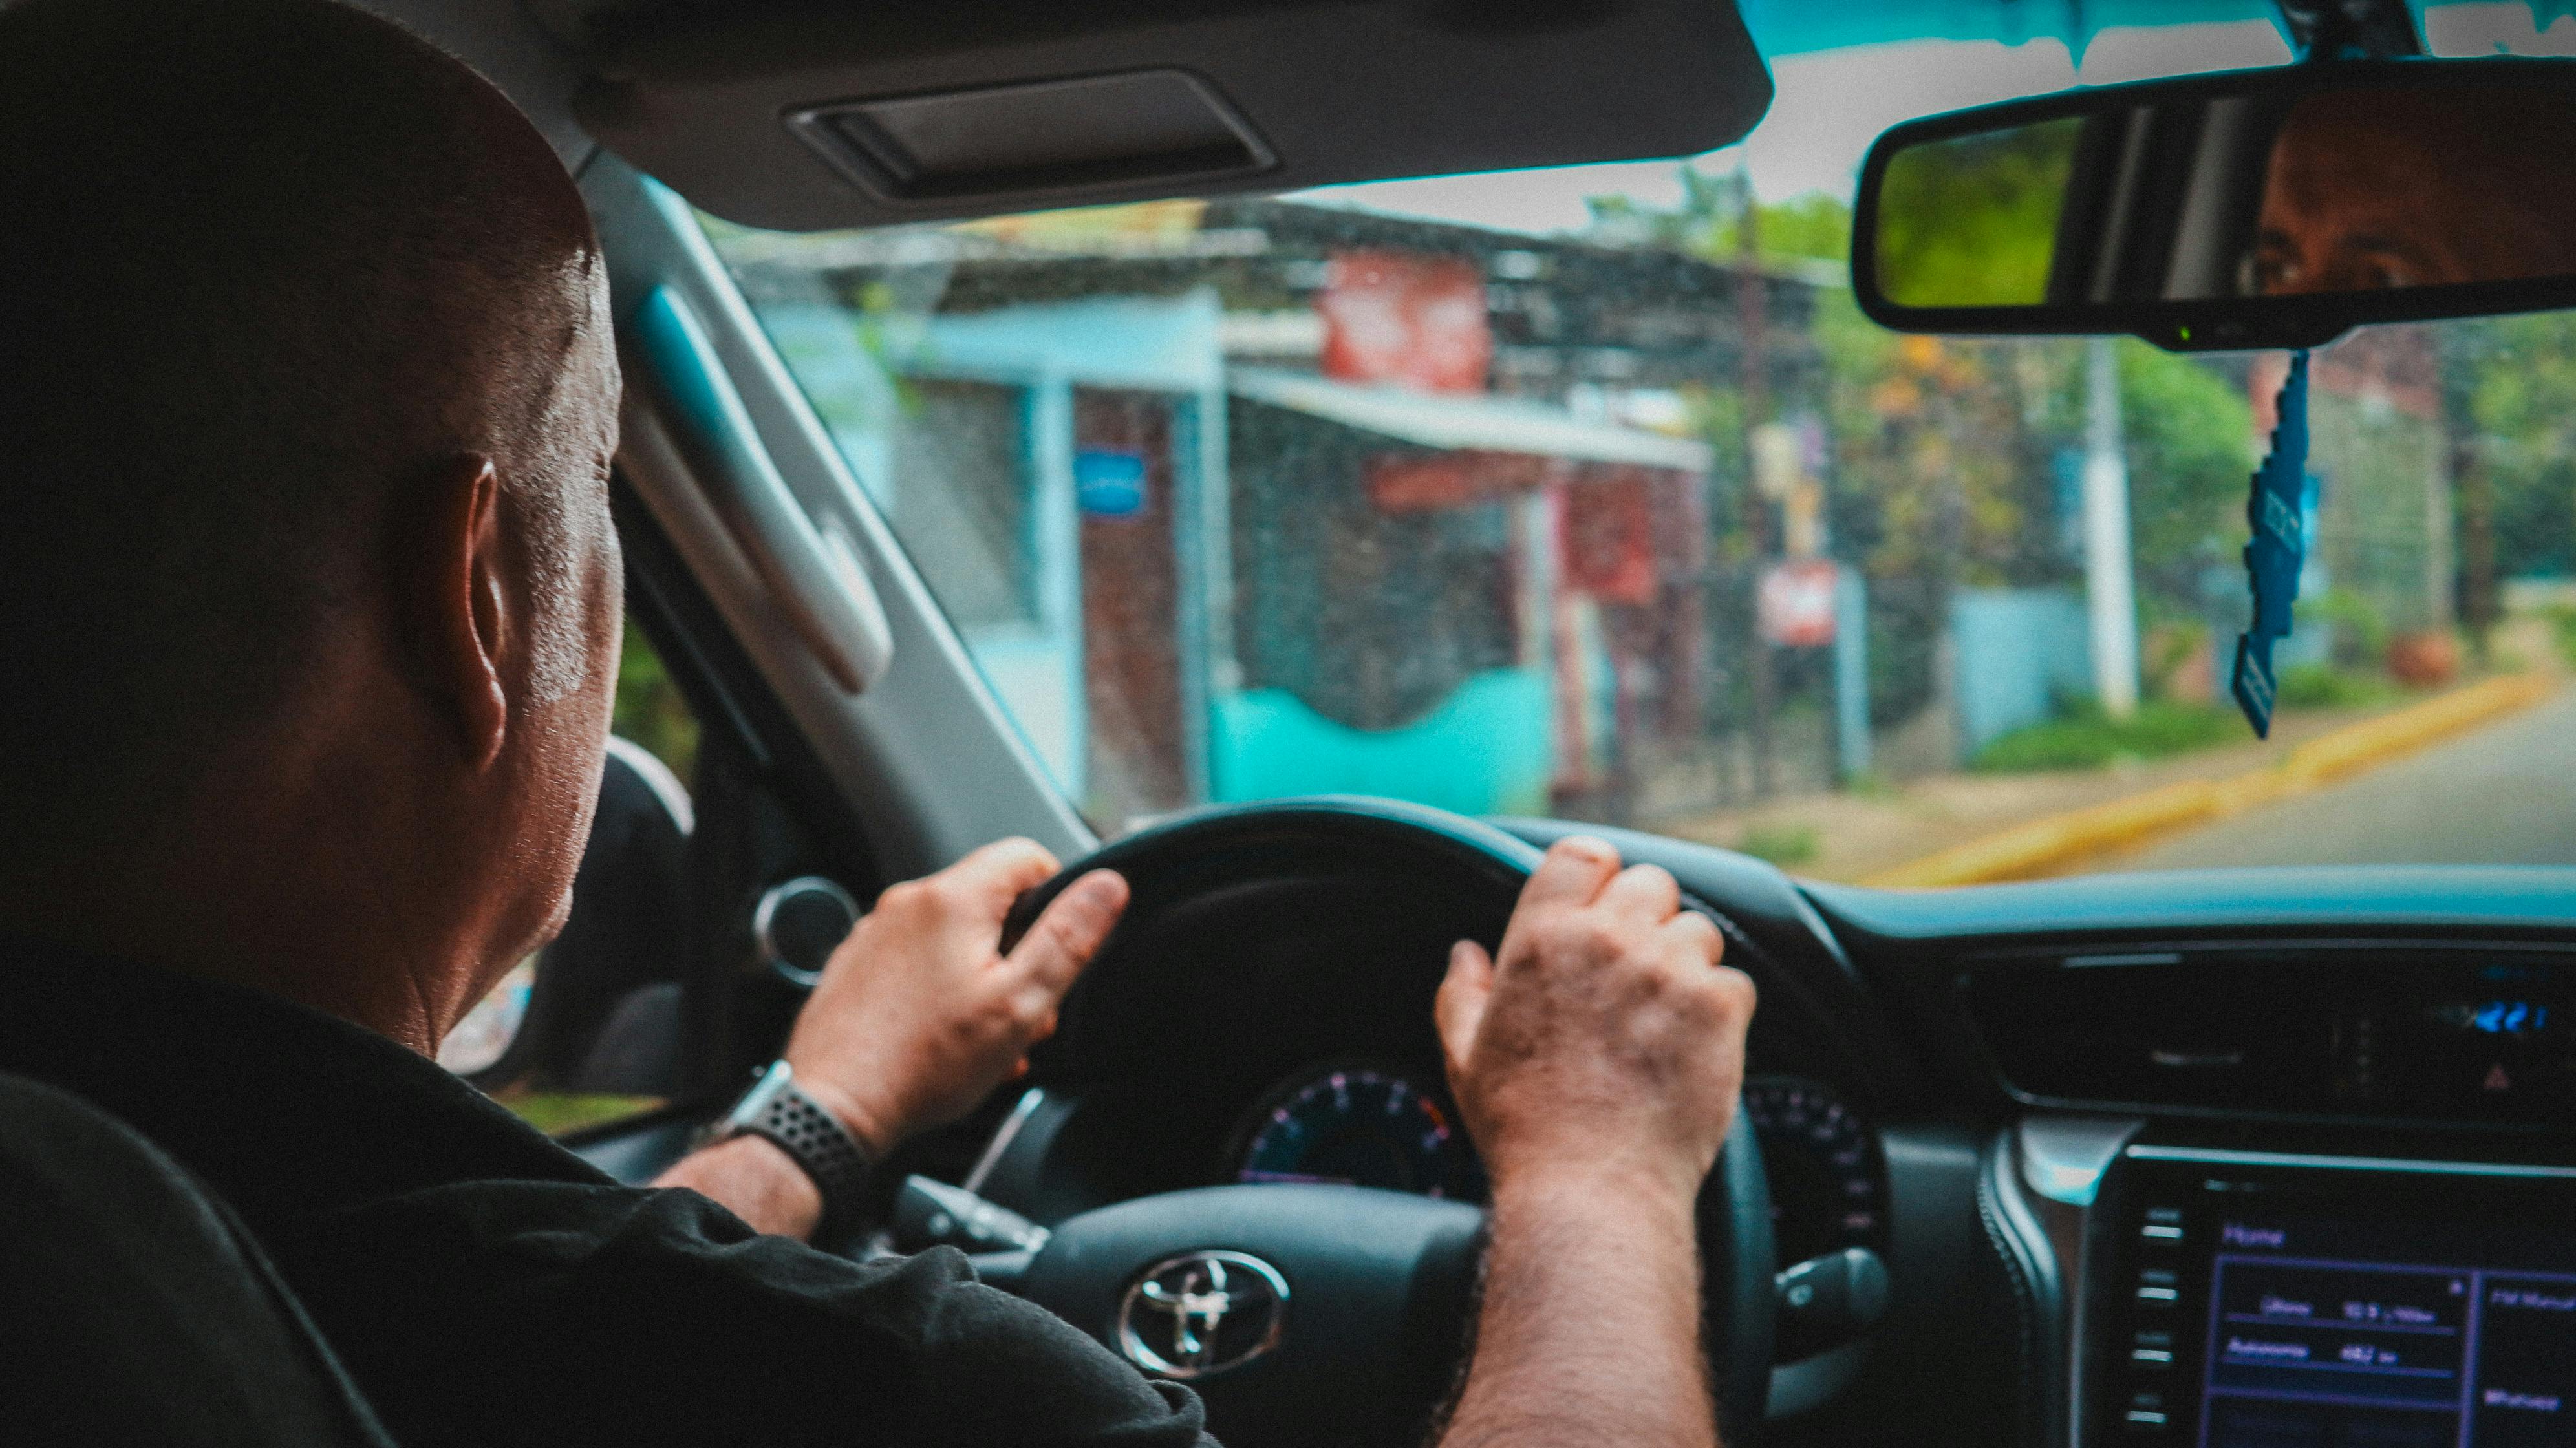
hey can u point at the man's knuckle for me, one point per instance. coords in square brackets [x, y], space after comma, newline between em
[1554, 934]
[1582, 849]
[1602, 935]
[1735, 990]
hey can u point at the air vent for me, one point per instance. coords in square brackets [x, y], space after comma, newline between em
[1049, 139]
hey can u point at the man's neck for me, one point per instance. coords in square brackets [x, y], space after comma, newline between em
[297, 878]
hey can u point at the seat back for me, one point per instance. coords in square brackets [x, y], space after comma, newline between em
[135, 1309]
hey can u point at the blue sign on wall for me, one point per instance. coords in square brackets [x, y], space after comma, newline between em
[1109, 484]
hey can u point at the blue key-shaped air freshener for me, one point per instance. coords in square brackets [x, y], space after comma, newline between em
[2278, 550]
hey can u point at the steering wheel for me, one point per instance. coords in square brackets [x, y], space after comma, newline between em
[1305, 1313]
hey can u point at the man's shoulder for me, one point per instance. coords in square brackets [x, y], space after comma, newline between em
[278, 1107]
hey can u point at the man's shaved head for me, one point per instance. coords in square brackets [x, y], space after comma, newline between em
[264, 264]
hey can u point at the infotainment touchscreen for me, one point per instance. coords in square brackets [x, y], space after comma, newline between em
[2328, 1332]
[2338, 1309]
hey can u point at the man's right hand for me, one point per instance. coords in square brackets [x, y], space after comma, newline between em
[1606, 1041]
[1597, 1063]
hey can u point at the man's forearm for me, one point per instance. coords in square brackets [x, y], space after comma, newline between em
[752, 1178]
[1589, 1332]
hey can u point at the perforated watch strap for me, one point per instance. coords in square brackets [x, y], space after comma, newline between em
[823, 1147]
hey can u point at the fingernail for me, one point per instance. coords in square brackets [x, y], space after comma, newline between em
[1458, 953]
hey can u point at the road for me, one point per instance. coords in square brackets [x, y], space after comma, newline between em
[2504, 794]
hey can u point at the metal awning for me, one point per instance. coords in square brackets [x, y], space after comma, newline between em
[1462, 422]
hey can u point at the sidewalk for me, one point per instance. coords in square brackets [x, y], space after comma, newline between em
[1863, 836]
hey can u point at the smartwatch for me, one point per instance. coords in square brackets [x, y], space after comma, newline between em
[775, 1109]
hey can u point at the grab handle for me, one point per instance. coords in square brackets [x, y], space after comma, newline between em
[811, 574]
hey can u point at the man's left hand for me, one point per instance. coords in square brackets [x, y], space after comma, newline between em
[918, 1014]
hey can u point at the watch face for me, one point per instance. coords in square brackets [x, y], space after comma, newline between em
[772, 1084]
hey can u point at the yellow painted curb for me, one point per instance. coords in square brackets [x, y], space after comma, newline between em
[2044, 846]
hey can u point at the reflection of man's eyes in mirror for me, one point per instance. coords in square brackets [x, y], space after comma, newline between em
[2364, 263]
[2271, 268]
[2344, 261]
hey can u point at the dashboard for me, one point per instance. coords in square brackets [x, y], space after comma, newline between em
[2253, 1159]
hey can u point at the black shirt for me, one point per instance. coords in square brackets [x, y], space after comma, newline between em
[486, 1287]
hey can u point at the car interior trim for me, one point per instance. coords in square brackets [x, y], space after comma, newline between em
[504, 44]
[2063, 1161]
[703, 95]
[809, 574]
[2063, 1157]
[2219, 1156]
[2029, 1260]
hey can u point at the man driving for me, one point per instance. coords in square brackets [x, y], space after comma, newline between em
[312, 606]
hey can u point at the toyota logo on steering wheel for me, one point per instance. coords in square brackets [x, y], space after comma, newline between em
[1202, 1313]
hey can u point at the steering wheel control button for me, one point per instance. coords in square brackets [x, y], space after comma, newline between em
[2152, 1349]
[1827, 1301]
[2147, 1413]
[1202, 1312]
[2163, 1224]
[798, 925]
[930, 1213]
[2157, 1287]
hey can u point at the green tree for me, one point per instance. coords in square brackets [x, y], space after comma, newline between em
[2190, 442]
[2517, 378]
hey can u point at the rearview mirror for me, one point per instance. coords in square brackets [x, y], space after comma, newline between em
[2272, 208]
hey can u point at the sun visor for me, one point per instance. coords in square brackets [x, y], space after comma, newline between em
[809, 115]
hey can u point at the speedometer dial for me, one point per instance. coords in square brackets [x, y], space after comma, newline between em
[1357, 1126]
[1827, 1189]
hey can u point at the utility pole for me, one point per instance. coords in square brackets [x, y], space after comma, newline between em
[2472, 490]
[1755, 388]
[2110, 595]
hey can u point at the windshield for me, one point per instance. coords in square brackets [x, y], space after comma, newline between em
[1589, 492]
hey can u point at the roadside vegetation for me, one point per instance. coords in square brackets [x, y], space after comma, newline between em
[2562, 627]
[2084, 737]
[1783, 843]
[561, 1113]
[649, 708]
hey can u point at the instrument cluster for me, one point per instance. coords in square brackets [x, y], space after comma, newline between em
[1376, 1124]
[1359, 1124]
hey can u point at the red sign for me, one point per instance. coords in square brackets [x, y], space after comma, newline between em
[1609, 539]
[1421, 482]
[1797, 604]
[1416, 321]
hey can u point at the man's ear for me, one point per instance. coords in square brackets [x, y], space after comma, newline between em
[462, 608]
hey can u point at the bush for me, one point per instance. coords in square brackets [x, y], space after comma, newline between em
[2562, 623]
[2323, 686]
[2086, 738]
[2361, 632]
[1780, 843]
